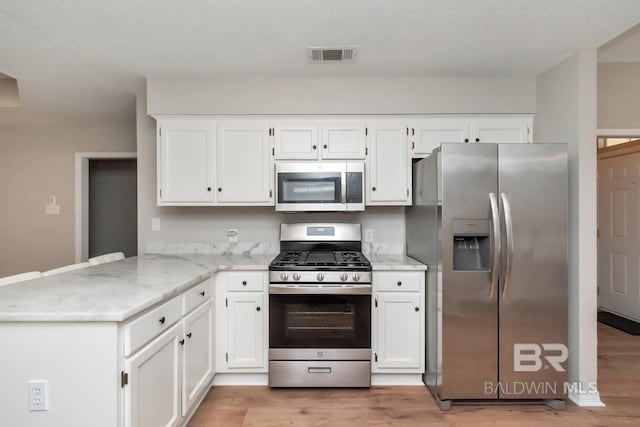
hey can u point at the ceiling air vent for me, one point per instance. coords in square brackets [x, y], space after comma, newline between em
[331, 54]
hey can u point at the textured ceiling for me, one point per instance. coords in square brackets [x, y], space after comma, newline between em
[93, 55]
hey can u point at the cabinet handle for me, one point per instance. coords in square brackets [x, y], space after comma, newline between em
[208, 188]
[202, 293]
[466, 140]
[477, 139]
[325, 146]
[244, 283]
[219, 189]
[399, 283]
[257, 308]
[181, 342]
[314, 147]
[373, 188]
[162, 320]
[189, 335]
[417, 308]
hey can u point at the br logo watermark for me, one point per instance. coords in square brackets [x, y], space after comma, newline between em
[530, 357]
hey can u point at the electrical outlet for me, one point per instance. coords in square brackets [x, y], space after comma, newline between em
[368, 234]
[232, 235]
[155, 224]
[38, 396]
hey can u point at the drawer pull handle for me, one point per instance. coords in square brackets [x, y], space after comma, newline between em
[189, 335]
[181, 342]
[257, 308]
[399, 283]
[244, 283]
[319, 370]
[162, 320]
[202, 293]
[417, 308]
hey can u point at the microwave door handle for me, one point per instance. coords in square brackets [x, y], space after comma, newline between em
[343, 187]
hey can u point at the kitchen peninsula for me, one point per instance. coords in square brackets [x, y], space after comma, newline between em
[100, 336]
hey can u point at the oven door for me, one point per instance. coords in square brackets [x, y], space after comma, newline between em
[320, 320]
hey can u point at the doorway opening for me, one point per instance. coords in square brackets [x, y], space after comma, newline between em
[106, 204]
[618, 231]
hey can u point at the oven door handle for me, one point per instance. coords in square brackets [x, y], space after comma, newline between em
[320, 290]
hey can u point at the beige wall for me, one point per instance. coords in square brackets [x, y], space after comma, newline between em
[37, 162]
[619, 95]
[566, 112]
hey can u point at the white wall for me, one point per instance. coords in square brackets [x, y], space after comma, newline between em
[341, 95]
[619, 95]
[322, 96]
[566, 112]
[36, 162]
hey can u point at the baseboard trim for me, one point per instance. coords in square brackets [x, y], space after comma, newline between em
[396, 379]
[231, 379]
[586, 399]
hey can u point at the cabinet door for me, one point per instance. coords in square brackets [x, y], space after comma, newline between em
[185, 162]
[388, 172]
[429, 134]
[501, 130]
[244, 165]
[198, 354]
[152, 397]
[296, 141]
[245, 330]
[343, 141]
[398, 330]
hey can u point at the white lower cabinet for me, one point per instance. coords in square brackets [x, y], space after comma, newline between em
[398, 322]
[241, 322]
[164, 380]
[198, 354]
[152, 395]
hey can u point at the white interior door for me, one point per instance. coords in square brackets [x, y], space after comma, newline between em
[619, 235]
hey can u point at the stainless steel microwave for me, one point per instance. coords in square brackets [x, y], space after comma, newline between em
[319, 186]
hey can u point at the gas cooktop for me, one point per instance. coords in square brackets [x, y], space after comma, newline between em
[321, 260]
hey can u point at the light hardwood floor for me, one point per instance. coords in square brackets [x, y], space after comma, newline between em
[619, 384]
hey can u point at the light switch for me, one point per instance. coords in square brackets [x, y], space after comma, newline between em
[155, 224]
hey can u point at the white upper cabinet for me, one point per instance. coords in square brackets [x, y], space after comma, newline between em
[388, 167]
[501, 130]
[244, 164]
[296, 141]
[343, 140]
[428, 134]
[185, 162]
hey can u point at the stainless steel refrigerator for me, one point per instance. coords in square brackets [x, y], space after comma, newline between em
[490, 220]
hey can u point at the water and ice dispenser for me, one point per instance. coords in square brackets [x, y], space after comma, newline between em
[471, 245]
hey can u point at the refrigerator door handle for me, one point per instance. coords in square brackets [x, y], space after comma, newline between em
[508, 223]
[495, 253]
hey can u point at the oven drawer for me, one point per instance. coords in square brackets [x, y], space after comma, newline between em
[246, 281]
[397, 281]
[319, 374]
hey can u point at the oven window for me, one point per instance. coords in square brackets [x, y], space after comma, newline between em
[309, 188]
[319, 321]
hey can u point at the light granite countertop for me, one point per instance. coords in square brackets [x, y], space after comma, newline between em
[118, 290]
[394, 262]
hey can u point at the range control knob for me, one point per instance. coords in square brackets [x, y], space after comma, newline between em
[320, 277]
[356, 276]
[284, 276]
[344, 276]
[296, 276]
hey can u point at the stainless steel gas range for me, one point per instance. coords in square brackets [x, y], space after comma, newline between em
[320, 308]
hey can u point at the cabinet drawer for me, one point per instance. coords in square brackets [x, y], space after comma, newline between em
[197, 295]
[249, 281]
[397, 281]
[140, 331]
